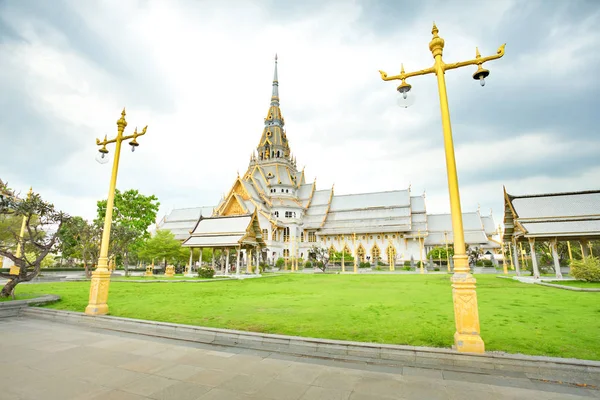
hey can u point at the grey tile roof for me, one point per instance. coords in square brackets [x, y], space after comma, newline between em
[557, 205]
[417, 204]
[488, 224]
[223, 225]
[213, 241]
[443, 222]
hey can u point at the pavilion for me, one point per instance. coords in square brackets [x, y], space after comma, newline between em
[552, 218]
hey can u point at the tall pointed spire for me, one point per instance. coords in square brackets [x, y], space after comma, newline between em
[275, 94]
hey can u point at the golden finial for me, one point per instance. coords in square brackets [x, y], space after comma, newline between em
[402, 68]
[122, 123]
[477, 55]
[434, 30]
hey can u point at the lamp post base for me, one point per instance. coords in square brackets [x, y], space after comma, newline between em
[98, 293]
[466, 315]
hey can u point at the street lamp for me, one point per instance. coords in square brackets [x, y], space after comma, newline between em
[101, 275]
[466, 337]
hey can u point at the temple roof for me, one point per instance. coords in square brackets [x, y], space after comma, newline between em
[229, 231]
[439, 227]
[181, 220]
[552, 215]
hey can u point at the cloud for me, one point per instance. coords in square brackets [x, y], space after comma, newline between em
[199, 74]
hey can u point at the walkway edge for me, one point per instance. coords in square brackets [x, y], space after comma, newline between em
[535, 367]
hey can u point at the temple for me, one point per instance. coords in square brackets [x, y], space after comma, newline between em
[294, 215]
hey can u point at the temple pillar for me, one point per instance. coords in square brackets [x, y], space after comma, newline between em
[343, 262]
[584, 248]
[200, 258]
[554, 246]
[249, 260]
[227, 261]
[237, 263]
[213, 258]
[189, 271]
[516, 259]
[536, 271]
[257, 251]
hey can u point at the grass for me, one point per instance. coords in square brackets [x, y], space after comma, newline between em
[160, 277]
[581, 284]
[398, 309]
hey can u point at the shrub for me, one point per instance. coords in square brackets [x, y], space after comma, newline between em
[407, 267]
[586, 270]
[280, 262]
[479, 263]
[308, 264]
[436, 269]
[262, 266]
[488, 263]
[364, 265]
[407, 263]
[206, 272]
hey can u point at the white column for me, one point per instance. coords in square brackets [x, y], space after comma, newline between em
[222, 263]
[191, 260]
[213, 258]
[536, 271]
[200, 259]
[516, 259]
[554, 246]
[237, 263]
[257, 251]
[584, 248]
[227, 261]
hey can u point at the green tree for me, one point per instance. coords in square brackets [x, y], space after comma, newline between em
[439, 253]
[161, 246]
[133, 213]
[38, 238]
[319, 256]
[80, 239]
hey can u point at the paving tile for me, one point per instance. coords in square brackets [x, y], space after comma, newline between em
[112, 377]
[564, 389]
[424, 390]
[319, 393]
[422, 372]
[300, 373]
[118, 395]
[337, 380]
[379, 387]
[179, 372]
[146, 364]
[245, 384]
[180, 391]
[148, 385]
[363, 396]
[222, 394]
[210, 377]
[282, 390]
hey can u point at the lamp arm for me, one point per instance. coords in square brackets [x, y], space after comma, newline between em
[135, 134]
[403, 76]
[476, 61]
[105, 141]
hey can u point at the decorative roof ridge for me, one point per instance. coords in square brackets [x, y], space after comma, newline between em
[464, 212]
[384, 191]
[248, 214]
[555, 194]
[577, 218]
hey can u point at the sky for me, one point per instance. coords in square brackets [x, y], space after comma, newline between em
[199, 74]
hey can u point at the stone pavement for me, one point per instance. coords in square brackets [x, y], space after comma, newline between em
[47, 360]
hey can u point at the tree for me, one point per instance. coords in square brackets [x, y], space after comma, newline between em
[42, 223]
[439, 253]
[80, 239]
[162, 246]
[133, 213]
[319, 256]
[474, 253]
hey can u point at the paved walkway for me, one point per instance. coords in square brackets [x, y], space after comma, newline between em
[45, 360]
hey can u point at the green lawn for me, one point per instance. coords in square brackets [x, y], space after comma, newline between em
[20, 296]
[401, 309]
[581, 284]
[160, 277]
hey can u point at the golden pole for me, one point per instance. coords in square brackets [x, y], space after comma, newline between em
[466, 315]
[569, 248]
[504, 267]
[512, 265]
[447, 254]
[582, 252]
[522, 256]
[591, 245]
[101, 275]
[343, 255]
[355, 253]
[420, 252]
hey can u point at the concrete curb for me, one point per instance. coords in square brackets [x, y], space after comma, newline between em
[535, 367]
[14, 307]
[577, 289]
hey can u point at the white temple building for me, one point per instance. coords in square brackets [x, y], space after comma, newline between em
[294, 215]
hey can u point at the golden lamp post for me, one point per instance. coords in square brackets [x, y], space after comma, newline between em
[101, 275]
[466, 338]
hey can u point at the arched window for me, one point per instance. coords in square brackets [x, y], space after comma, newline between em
[375, 253]
[286, 234]
[276, 213]
[361, 253]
